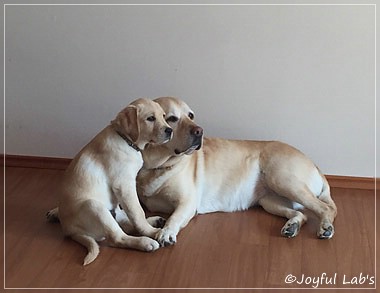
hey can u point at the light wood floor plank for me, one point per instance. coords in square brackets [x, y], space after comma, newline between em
[219, 250]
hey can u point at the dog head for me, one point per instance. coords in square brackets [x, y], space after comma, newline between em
[187, 135]
[143, 122]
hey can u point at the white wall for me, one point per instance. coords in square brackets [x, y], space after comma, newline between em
[301, 74]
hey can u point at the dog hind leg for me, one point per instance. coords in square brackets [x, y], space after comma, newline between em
[283, 207]
[96, 221]
[326, 212]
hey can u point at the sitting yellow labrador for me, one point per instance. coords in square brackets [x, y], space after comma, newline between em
[191, 175]
[103, 175]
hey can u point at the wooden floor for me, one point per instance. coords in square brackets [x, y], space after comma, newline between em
[220, 250]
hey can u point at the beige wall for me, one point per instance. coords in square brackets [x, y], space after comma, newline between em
[300, 74]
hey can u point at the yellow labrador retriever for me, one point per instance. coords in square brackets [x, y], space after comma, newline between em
[228, 175]
[103, 175]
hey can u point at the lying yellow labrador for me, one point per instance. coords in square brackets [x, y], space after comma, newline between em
[184, 177]
[103, 175]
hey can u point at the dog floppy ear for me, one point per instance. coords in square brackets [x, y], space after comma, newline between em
[127, 122]
[133, 127]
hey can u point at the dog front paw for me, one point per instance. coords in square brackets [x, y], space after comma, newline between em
[326, 231]
[166, 237]
[148, 244]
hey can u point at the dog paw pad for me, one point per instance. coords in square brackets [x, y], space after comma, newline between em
[290, 230]
[326, 233]
[160, 223]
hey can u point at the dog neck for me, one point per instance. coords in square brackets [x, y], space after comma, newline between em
[128, 141]
[158, 157]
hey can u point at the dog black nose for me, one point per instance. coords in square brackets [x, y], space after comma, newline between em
[197, 131]
[168, 131]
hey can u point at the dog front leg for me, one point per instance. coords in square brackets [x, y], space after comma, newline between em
[181, 216]
[128, 200]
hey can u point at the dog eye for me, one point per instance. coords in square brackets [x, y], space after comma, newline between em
[191, 116]
[172, 119]
[151, 118]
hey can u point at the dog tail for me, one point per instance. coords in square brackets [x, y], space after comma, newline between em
[326, 187]
[91, 245]
[325, 195]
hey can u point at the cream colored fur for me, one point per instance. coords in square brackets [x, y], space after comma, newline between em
[103, 175]
[229, 175]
